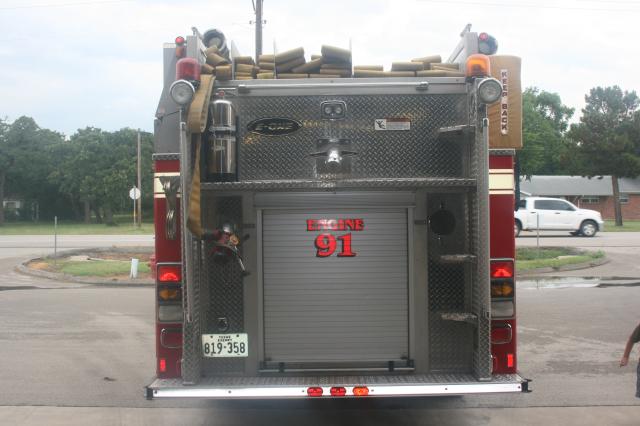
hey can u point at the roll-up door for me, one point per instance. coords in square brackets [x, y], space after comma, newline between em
[335, 285]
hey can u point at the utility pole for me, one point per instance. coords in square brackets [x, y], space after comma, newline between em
[258, 9]
[139, 185]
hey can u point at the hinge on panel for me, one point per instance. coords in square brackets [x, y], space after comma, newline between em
[451, 131]
[423, 86]
[467, 317]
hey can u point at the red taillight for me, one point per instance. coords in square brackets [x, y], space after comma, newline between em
[314, 391]
[179, 40]
[501, 269]
[510, 360]
[361, 391]
[169, 273]
[338, 391]
[162, 365]
[188, 69]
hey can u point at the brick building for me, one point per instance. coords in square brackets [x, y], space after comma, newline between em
[589, 193]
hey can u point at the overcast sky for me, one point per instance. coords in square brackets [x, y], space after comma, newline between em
[77, 63]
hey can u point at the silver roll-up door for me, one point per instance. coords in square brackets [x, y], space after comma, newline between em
[335, 308]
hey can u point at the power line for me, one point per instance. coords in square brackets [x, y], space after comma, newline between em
[78, 3]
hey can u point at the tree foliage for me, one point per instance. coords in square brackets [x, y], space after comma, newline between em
[606, 141]
[92, 166]
[545, 122]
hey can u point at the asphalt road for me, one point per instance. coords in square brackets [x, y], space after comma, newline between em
[71, 345]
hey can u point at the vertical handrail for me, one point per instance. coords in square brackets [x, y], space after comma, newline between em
[187, 254]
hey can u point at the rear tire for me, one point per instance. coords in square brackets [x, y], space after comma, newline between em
[588, 228]
[517, 228]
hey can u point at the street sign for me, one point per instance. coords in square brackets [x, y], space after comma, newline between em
[134, 193]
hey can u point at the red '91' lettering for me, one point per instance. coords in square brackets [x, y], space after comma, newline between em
[346, 246]
[325, 245]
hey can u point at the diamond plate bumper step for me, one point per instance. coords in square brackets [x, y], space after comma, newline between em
[296, 387]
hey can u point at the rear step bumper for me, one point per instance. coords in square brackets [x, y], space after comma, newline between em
[297, 387]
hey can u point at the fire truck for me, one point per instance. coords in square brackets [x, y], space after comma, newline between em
[334, 236]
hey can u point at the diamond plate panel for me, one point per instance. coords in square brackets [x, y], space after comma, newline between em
[450, 343]
[223, 295]
[380, 154]
[191, 360]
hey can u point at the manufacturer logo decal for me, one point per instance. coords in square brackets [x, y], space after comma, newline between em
[274, 126]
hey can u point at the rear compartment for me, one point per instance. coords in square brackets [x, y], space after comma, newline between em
[370, 278]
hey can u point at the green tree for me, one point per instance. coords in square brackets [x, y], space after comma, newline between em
[545, 122]
[99, 168]
[606, 141]
[26, 163]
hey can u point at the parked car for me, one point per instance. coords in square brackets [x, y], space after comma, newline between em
[555, 214]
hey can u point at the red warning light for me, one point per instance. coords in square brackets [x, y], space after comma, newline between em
[162, 365]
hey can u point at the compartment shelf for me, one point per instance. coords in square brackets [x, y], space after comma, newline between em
[298, 184]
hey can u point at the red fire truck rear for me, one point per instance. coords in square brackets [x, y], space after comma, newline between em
[335, 237]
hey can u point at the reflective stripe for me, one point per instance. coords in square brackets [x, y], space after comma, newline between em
[501, 181]
[157, 186]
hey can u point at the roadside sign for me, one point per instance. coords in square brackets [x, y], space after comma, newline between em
[134, 193]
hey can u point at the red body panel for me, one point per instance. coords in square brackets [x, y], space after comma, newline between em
[502, 245]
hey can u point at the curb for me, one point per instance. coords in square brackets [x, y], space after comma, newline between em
[58, 276]
[573, 267]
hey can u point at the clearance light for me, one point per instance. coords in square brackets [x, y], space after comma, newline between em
[360, 391]
[181, 49]
[489, 90]
[478, 65]
[182, 92]
[510, 360]
[501, 269]
[162, 365]
[338, 391]
[169, 274]
[314, 391]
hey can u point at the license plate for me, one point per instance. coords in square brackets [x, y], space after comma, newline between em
[225, 345]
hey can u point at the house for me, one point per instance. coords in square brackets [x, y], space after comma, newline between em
[589, 193]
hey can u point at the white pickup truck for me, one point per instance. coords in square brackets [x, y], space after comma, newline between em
[554, 214]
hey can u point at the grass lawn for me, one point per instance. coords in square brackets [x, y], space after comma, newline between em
[66, 228]
[553, 257]
[627, 226]
[99, 268]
